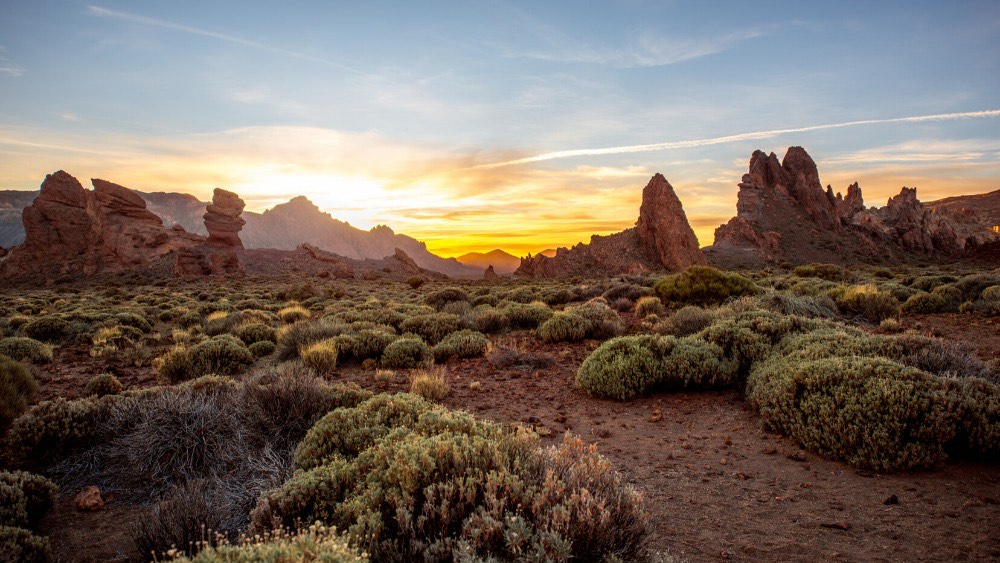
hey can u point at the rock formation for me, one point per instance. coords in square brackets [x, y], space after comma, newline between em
[222, 219]
[661, 240]
[73, 231]
[784, 215]
[503, 263]
[490, 273]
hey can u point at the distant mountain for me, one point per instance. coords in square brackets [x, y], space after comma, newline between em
[550, 252]
[503, 263]
[283, 227]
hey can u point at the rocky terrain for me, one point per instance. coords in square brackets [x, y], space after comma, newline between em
[661, 240]
[980, 209]
[785, 215]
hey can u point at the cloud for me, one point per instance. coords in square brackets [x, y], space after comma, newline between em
[8, 67]
[985, 114]
[174, 26]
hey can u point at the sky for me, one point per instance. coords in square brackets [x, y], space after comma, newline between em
[473, 125]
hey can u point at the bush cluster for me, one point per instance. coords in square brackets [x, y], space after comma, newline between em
[24, 499]
[408, 480]
[103, 384]
[17, 387]
[704, 285]
[26, 349]
[463, 344]
[407, 353]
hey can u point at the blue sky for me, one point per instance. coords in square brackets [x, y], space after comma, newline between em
[385, 112]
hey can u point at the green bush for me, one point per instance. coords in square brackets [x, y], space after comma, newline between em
[315, 543]
[254, 332]
[649, 305]
[295, 336]
[463, 343]
[13, 506]
[487, 320]
[630, 366]
[320, 356]
[47, 329]
[262, 348]
[564, 327]
[103, 384]
[787, 303]
[53, 430]
[526, 315]
[407, 353]
[433, 327]
[39, 493]
[686, 320]
[18, 544]
[452, 487]
[442, 297]
[704, 285]
[26, 349]
[133, 320]
[830, 272]
[17, 387]
[602, 321]
[868, 302]
[928, 303]
[416, 281]
[365, 344]
[869, 411]
[223, 355]
[175, 365]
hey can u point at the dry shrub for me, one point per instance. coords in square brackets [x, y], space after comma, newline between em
[185, 522]
[315, 543]
[320, 356]
[429, 384]
[516, 357]
[17, 387]
[869, 303]
[103, 384]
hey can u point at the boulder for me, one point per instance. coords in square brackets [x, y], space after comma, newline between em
[222, 219]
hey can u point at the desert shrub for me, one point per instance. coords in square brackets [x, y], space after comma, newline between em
[749, 336]
[686, 320]
[991, 293]
[518, 358]
[175, 365]
[47, 329]
[630, 366]
[602, 321]
[465, 489]
[13, 506]
[429, 384]
[463, 343]
[17, 387]
[622, 305]
[53, 430]
[407, 353]
[927, 303]
[934, 355]
[39, 493]
[526, 315]
[320, 356]
[26, 349]
[416, 281]
[487, 320]
[253, 332]
[223, 354]
[293, 314]
[190, 319]
[103, 384]
[812, 286]
[871, 412]
[786, 303]
[442, 297]
[704, 285]
[830, 272]
[18, 544]
[315, 543]
[564, 327]
[627, 291]
[183, 521]
[928, 283]
[868, 302]
[649, 305]
[972, 286]
[298, 335]
[133, 320]
[262, 348]
[433, 327]
[112, 339]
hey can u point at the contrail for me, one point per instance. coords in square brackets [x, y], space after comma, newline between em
[739, 137]
[165, 24]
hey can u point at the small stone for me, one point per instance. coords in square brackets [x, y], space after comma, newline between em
[893, 499]
[90, 499]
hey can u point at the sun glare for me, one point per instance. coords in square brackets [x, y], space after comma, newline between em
[353, 199]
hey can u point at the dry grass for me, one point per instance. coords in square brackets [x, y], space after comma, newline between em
[429, 384]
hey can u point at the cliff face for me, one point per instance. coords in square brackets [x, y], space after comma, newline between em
[661, 240]
[73, 231]
[784, 215]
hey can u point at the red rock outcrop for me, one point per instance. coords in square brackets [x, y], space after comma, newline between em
[222, 219]
[490, 273]
[784, 215]
[661, 240]
[71, 231]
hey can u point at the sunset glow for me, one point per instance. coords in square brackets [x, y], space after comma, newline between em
[497, 125]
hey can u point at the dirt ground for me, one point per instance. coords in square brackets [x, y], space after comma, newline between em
[716, 485]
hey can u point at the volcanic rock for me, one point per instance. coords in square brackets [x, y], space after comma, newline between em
[72, 231]
[661, 240]
[90, 499]
[222, 219]
[490, 273]
[784, 215]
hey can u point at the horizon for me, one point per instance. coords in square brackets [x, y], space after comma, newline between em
[472, 127]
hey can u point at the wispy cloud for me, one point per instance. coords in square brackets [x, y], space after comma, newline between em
[7, 66]
[184, 28]
[740, 137]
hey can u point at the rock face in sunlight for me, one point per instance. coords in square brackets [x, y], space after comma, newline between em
[222, 219]
[783, 214]
[73, 231]
[661, 240]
